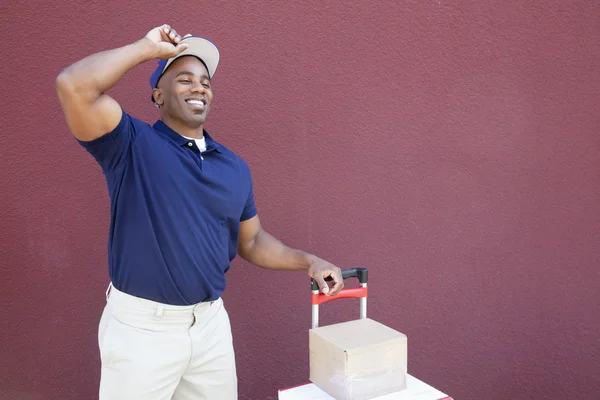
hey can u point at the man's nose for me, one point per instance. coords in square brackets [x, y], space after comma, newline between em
[198, 87]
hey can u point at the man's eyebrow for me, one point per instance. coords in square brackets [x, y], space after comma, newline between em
[191, 73]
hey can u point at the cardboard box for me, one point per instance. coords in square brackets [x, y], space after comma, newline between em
[358, 360]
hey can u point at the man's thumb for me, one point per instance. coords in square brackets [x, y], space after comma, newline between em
[180, 48]
[323, 285]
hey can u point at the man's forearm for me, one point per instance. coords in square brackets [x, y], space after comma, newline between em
[267, 252]
[99, 72]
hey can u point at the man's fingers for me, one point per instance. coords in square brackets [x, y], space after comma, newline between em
[328, 277]
[339, 285]
[334, 285]
[169, 34]
[165, 30]
[338, 282]
[174, 36]
[322, 284]
[180, 48]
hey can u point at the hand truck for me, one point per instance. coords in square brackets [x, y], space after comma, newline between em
[416, 389]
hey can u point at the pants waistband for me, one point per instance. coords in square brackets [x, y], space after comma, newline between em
[122, 300]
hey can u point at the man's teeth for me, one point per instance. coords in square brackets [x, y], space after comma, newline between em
[195, 102]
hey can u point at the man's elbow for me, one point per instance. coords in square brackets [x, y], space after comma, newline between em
[64, 83]
[245, 250]
[68, 85]
[73, 94]
[247, 247]
[67, 88]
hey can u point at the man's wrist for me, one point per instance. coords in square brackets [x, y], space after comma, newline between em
[146, 48]
[309, 260]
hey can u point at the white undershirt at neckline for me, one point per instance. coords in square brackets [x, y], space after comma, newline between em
[201, 143]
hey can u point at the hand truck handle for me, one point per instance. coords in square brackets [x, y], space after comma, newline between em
[362, 274]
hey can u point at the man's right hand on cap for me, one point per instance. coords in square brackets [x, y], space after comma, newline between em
[167, 41]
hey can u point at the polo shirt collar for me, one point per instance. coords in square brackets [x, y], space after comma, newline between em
[182, 141]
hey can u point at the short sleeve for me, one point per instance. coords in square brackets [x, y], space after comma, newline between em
[250, 208]
[111, 150]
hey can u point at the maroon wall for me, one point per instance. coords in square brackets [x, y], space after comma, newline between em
[452, 149]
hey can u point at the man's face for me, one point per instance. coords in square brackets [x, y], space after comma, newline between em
[184, 92]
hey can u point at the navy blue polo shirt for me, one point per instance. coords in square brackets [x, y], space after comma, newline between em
[175, 212]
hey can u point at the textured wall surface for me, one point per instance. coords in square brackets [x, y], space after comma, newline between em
[451, 147]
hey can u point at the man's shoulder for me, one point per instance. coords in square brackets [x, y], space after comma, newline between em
[137, 122]
[126, 131]
[238, 159]
[230, 152]
[129, 124]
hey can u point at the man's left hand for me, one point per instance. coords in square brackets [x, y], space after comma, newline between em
[319, 270]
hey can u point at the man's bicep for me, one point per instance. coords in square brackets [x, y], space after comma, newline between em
[248, 230]
[88, 122]
[114, 149]
[88, 115]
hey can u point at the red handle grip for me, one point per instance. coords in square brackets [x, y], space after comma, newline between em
[354, 293]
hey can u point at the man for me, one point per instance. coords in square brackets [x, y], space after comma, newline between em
[182, 207]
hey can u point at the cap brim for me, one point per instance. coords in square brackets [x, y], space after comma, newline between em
[201, 48]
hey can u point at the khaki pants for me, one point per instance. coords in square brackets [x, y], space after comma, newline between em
[153, 351]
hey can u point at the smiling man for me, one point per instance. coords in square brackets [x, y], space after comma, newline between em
[182, 207]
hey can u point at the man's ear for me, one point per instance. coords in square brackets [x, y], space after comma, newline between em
[157, 96]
